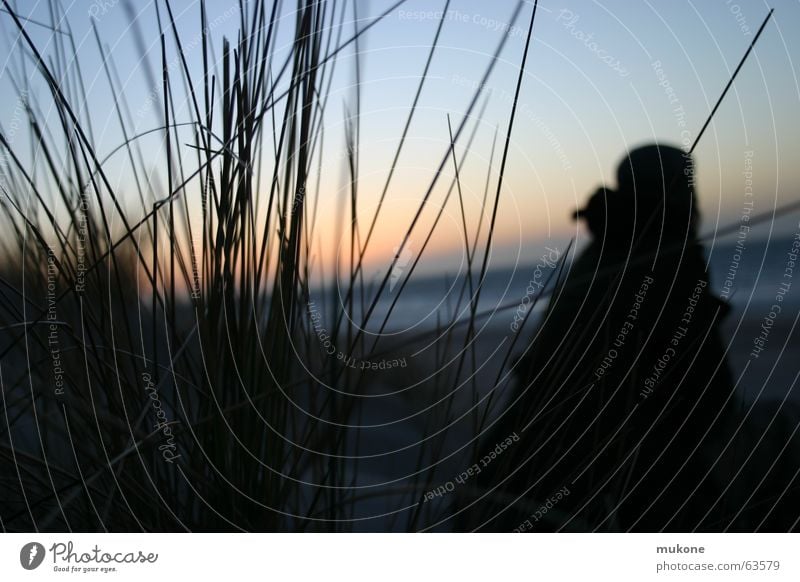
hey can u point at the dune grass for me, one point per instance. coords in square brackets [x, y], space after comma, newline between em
[160, 367]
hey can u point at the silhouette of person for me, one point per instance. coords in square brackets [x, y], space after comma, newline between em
[626, 379]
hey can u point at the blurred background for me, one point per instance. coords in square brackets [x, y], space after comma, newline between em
[408, 119]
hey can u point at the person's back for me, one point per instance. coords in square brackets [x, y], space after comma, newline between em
[625, 378]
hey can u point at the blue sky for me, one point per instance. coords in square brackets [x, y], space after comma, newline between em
[600, 77]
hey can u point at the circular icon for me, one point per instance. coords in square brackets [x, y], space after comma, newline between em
[31, 555]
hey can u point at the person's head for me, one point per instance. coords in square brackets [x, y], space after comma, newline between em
[654, 200]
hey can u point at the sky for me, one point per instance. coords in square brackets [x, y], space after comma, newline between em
[600, 77]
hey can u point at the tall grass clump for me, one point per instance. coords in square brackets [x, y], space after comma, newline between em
[161, 368]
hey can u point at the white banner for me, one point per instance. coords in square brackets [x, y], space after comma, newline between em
[400, 557]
